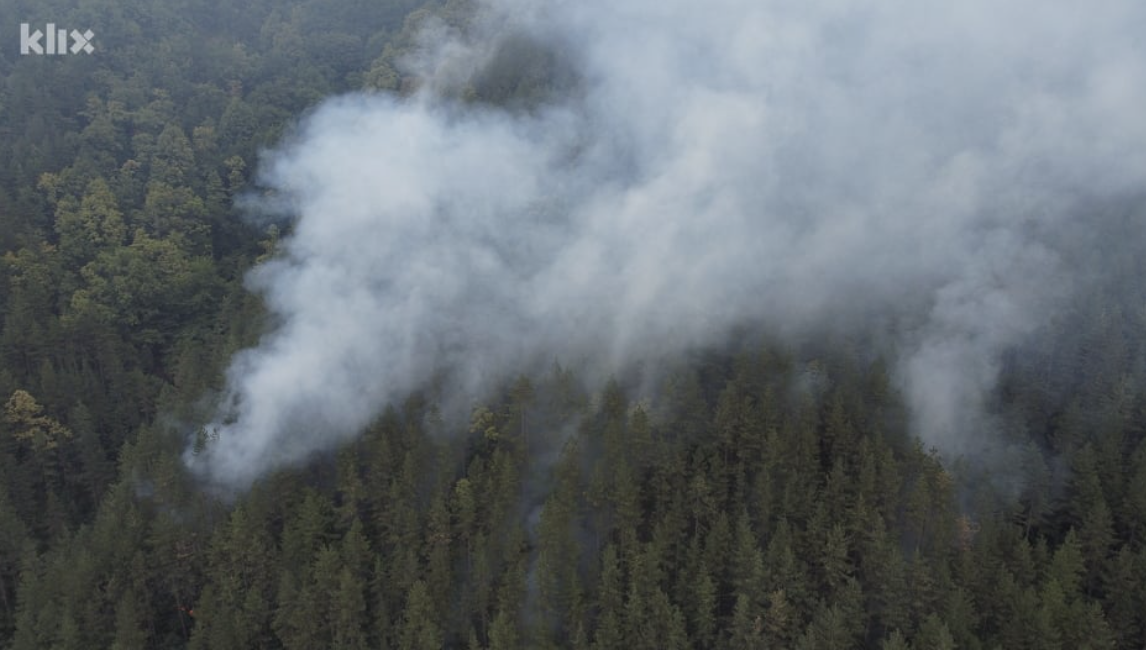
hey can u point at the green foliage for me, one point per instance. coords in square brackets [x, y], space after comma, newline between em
[420, 550]
[724, 509]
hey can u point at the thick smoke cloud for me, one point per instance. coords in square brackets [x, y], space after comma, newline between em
[818, 165]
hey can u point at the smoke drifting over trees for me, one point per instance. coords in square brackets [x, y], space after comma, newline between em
[936, 176]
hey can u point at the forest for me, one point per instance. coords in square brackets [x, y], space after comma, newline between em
[764, 493]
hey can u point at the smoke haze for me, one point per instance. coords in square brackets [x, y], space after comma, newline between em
[820, 165]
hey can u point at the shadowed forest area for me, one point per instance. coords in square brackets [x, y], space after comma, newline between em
[759, 494]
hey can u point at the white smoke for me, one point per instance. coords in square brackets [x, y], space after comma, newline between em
[793, 164]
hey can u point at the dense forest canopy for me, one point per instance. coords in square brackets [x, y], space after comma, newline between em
[759, 488]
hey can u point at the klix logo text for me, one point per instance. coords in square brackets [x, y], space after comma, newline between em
[55, 41]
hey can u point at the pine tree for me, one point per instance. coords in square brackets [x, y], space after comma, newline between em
[895, 641]
[1068, 567]
[703, 608]
[780, 620]
[747, 630]
[935, 634]
[419, 629]
[129, 632]
[437, 553]
[350, 615]
[1123, 605]
[503, 632]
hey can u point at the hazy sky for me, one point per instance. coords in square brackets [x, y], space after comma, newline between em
[800, 165]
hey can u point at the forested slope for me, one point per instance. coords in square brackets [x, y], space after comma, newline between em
[759, 495]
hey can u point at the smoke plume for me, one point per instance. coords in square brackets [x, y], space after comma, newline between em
[818, 165]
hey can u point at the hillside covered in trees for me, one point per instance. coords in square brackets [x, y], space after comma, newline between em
[761, 493]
